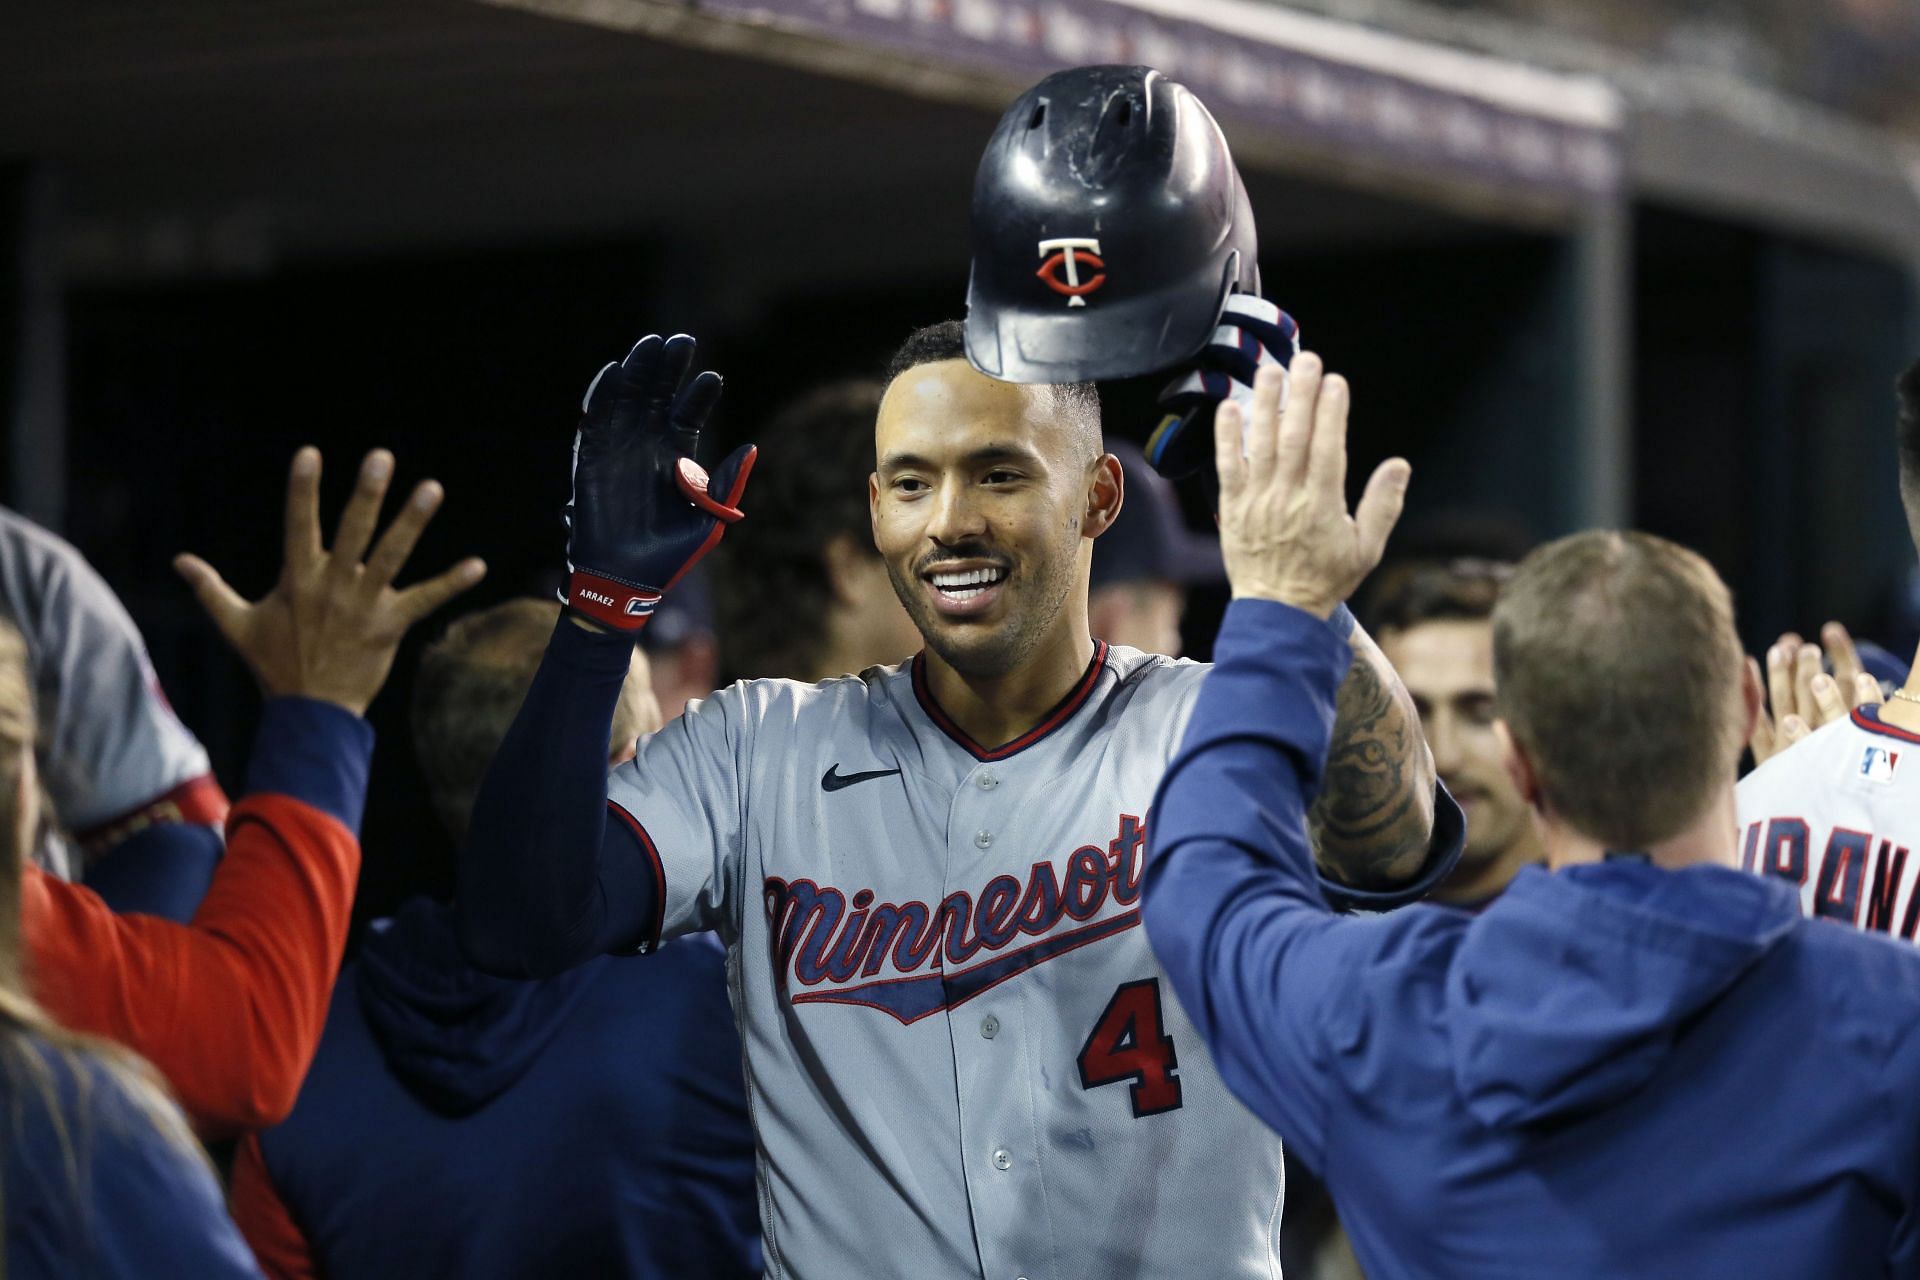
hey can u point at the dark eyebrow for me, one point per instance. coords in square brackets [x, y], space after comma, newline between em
[979, 457]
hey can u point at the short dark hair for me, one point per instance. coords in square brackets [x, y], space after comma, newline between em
[772, 592]
[1616, 666]
[1907, 388]
[947, 340]
[1405, 594]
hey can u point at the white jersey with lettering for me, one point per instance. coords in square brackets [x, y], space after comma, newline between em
[961, 1057]
[1839, 815]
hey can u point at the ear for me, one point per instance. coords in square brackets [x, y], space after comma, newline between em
[1753, 700]
[1106, 493]
[1519, 767]
[873, 506]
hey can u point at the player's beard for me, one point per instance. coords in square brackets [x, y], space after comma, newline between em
[1036, 594]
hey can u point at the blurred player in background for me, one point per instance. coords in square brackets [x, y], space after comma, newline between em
[1838, 815]
[134, 805]
[802, 594]
[957, 1048]
[1435, 624]
[230, 1006]
[1144, 563]
[456, 1124]
[683, 653]
[1641, 1063]
[101, 1176]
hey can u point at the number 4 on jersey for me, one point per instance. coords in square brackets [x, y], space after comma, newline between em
[1128, 1042]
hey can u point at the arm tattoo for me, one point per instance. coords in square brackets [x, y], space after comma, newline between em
[1373, 820]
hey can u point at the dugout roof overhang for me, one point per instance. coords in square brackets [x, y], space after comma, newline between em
[214, 137]
[207, 138]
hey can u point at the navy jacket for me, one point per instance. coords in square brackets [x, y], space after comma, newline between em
[143, 1204]
[1614, 1070]
[456, 1124]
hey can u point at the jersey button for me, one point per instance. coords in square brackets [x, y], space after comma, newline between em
[990, 1026]
[1002, 1159]
[983, 839]
[987, 780]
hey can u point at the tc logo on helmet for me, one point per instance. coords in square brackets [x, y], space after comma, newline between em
[1061, 271]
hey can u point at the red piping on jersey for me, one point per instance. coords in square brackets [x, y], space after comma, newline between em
[197, 800]
[1061, 713]
[659, 875]
[1868, 718]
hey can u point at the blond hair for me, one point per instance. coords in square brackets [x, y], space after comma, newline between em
[1618, 671]
[40, 1059]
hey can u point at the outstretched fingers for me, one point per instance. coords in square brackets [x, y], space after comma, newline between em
[1260, 430]
[1229, 447]
[1301, 385]
[302, 538]
[397, 543]
[1380, 507]
[421, 599]
[691, 408]
[223, 604]
[362, 513]
[1327, 451]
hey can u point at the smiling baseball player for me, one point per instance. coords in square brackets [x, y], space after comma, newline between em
[961, 1057]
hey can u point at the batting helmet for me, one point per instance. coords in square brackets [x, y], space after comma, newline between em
[1109, 226]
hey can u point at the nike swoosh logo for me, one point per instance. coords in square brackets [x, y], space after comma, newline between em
[833, 779]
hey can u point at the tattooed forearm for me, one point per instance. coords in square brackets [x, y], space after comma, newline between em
[1373, 820]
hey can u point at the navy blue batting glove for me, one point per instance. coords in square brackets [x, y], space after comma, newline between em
[1252, 333]
[643, 511]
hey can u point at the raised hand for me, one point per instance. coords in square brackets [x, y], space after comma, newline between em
[1801, 696]
[1284, 526]
[330, 627]
[643, 511]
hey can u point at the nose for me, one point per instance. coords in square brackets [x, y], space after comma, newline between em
[955, 517]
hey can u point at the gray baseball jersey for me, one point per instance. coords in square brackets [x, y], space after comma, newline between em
[961, 1057]
[110, 744]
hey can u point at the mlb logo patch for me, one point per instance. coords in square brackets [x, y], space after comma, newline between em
[1878, 763]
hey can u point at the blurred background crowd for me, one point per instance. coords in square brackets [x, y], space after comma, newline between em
[1617, 263]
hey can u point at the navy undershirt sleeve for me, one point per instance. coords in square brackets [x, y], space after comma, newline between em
[160, 870]
[545, 881]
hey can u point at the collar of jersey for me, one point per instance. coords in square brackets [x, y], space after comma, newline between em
[1062, 710]
[1868, 718]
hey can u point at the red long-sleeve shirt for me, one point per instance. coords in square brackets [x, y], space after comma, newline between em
[228, 1008]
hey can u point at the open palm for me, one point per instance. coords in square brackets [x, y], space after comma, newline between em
[330, 627]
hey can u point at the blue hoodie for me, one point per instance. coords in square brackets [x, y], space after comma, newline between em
[1614, 1070]
[456, 1124]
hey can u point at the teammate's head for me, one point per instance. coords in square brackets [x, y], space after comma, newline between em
[1143, 565]
[1622, 685]
[1434, 621]
[800, 591]
[992, 478]
[469, 687]
[1908, 389]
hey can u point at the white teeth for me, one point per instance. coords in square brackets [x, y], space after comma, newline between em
[968, 578]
